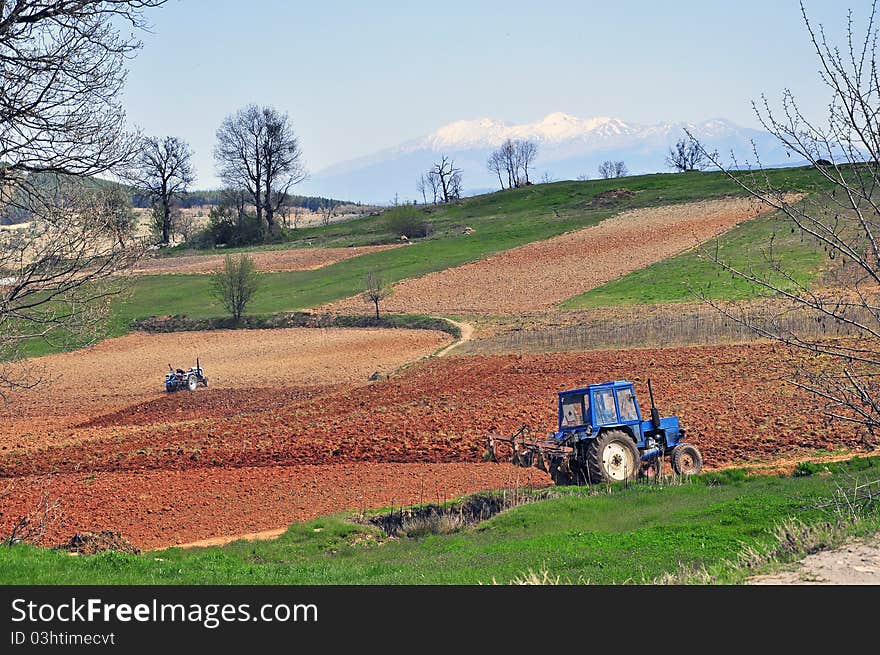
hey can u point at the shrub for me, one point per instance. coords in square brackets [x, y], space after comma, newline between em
[225, 228]
[236, 284]
[409, 222]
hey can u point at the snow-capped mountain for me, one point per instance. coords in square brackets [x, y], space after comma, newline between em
[568, 147]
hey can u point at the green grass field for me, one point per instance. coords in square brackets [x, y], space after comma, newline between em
[745, 248]
[630, 535]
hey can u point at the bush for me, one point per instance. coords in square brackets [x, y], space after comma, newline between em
[409, 222]
[227, 229]
[806, 469]
[236, 284]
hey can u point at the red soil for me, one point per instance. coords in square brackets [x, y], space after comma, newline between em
[234, 460]
[163, 508]
[542, 274]
[728, 399]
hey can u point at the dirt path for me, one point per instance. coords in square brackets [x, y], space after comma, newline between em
[296, 259]
[540, 275]
[857, 563]
[467, 333]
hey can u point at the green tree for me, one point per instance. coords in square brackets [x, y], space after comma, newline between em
[236, 284]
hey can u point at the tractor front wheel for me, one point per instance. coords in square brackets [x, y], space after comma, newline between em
[612, 457]
[686, 459]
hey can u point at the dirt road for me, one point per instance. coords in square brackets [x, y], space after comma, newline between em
[857, 563]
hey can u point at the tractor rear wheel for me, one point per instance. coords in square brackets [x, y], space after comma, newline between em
[192, 382]
[612, 457]
[686, 459]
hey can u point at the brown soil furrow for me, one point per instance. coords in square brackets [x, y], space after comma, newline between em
[298, 259]
[118, 375]
[162, 508]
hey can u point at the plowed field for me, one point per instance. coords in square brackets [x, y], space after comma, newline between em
[300, 259]
[342, 445]
[124, 376]
[541, 275]
[163, 508]
[728, 398]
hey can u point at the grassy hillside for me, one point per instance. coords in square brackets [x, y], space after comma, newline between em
[744, 247]
[499, 221]
[509, 210]
[636, 534]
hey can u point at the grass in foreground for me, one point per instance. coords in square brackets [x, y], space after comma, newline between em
[641, 534]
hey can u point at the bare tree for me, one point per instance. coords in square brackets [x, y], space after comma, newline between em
[448, 178]
[609, 169]
[512, 159]
[121, 218]
[297, 211]
[235, 199]
[32, 527]
[526, 152]
[842, 215]
[686, 155]
[510, 156]
[327, 208]
[184, 225]
[162, 170]
[433, 181]
[283, 164]
[376, 290]
[62, 75]
[235, 285]
[257, 151]
[455, 182]
[58, 276]
[422, 188]
[496, 164]
[583, 177]
[62, 71]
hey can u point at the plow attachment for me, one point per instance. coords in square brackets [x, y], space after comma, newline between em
[524, 450]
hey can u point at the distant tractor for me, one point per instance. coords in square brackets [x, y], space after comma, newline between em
[602, 437]
[177, 379]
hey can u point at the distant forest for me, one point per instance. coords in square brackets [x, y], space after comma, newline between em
[200, 198]
[14, 212]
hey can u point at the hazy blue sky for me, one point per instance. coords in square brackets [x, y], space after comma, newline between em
[359, 76]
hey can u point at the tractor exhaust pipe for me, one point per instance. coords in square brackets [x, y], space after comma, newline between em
[655, 413]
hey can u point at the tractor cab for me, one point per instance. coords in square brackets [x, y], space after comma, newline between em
[599, 405]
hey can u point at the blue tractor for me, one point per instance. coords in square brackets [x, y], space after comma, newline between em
[603, 437]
